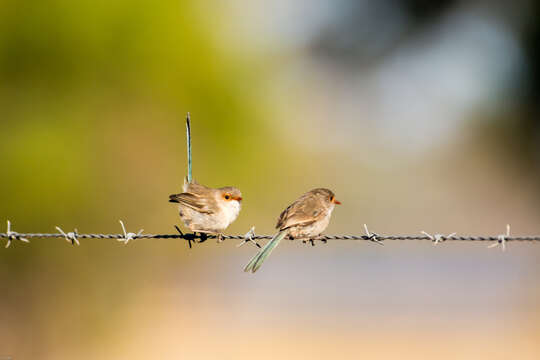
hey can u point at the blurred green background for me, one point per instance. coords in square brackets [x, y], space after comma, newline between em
[419, 115]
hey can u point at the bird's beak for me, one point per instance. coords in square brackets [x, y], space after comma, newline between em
[337, 202]
[239, 198]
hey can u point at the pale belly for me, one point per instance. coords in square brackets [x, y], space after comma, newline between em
[210, 223]
[313, 230]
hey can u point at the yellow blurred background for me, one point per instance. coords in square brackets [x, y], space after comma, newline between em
[419, 115]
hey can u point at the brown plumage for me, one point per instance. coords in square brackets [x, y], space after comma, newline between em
[207, 210]
[307, 217]
[307, 209]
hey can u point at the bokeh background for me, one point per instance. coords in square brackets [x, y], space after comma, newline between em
[420, 115]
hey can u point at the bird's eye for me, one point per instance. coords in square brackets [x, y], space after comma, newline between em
[227, 197]
[331, 199]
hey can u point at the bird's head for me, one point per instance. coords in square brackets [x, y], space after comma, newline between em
[230, 200]
[326, 195]
[230, 194]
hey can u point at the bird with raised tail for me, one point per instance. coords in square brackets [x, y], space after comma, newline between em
[204, 209]
[207, 210]
[307, 217]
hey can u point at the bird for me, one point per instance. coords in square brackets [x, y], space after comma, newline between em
[307, 217]
[207, 210]
[203, 209]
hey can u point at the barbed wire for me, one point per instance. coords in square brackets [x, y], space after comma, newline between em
[73, 237]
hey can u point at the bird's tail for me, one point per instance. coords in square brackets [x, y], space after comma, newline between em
[256, 262]
[188, 135]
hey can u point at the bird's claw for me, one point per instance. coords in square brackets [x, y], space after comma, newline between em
[311, 241]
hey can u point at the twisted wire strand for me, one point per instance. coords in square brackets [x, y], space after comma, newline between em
[190, 237]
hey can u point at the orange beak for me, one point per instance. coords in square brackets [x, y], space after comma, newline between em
[239, 198]
[337, 202]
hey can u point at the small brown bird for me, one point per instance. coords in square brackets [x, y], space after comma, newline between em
[307, 217]
[207, 210]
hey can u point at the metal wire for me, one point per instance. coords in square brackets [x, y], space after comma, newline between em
[190, 236]
[73, 237]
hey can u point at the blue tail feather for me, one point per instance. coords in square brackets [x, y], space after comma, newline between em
[188, 134]
[256, 262]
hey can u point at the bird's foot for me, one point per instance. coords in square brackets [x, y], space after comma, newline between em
[310, 241]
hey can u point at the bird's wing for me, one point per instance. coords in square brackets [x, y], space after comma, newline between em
[193, 201]
[304, 211]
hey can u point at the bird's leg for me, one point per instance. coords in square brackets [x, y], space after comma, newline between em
[311, 241]
[219, 238]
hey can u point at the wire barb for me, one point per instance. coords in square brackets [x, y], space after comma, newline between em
[12, 235]
[70, 236]
[248, 237]
[128, 236]
[436, 238]
[372, 236]
[501, 239]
